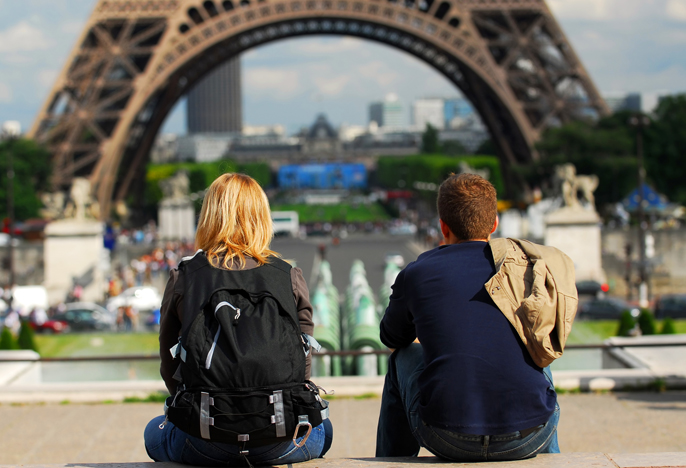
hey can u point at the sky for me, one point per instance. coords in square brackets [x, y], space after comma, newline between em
[626, 45]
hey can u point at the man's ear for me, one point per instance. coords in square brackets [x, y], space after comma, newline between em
[495, 225]
[444, 229]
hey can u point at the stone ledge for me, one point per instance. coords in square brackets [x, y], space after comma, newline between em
[563, 460]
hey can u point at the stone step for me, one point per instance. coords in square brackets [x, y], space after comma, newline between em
[562, 460]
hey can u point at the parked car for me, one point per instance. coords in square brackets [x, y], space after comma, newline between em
[670, 305]
[142, 298]
[589, 287]
[51, 327]
[84, 316]
[607, 308]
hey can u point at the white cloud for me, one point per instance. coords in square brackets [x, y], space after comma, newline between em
[22, 37]
[46, 78]
[579, 9]
[327, 47]
[5, 93]
[608, 10]
[272, 83]
[72, 27]
[676, 9]
[671, 78]
[379, 72]
[331, 86]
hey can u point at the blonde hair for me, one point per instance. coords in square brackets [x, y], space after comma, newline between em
[235, 221]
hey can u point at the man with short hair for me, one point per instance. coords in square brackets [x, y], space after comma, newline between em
[490, 317]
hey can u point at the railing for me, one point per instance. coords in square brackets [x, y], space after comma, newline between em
[153, 357]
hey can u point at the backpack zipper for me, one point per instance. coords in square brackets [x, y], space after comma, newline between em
[208, 361]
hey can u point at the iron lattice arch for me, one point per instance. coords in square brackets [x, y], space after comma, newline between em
[135, 59]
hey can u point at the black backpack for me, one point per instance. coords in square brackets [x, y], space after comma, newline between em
[242, 357]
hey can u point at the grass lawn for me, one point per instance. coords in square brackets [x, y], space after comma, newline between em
[342, 212]
[97, 344]
[109, 344]
[595, 331]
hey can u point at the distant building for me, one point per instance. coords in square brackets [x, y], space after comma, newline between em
[388, 113]
[214, 105]
[203, 147]
[263, 130]
[624, 102]
[165, 148]
[428, 111]
[376, 113]
[456, 111]
[471, 134]
[321, 138]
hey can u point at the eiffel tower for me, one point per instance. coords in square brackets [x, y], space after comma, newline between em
[136, 58]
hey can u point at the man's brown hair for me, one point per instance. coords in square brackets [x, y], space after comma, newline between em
[468, 204]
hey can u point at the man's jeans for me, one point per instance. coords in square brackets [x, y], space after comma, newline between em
[173, 445]
[401, 431]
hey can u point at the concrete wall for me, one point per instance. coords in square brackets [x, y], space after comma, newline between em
[28, 263]
[668, 266]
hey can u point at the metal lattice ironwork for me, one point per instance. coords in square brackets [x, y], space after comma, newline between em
[135, 59]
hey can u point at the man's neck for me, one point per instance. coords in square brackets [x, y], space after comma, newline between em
[454, 240]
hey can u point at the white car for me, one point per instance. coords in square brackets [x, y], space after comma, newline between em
[395, 258]
[142, 298]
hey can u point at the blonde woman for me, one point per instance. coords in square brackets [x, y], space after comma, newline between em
[234, 342]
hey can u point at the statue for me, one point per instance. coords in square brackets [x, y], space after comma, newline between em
[176, 187]
[176, 213]
[570, 184]
[81, 205]
[53, 205]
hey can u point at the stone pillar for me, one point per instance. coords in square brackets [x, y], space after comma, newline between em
[176, 219]
[576, 232]
[73, 255]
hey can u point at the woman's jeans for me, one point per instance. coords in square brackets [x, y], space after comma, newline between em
[401, 432]
[171, 444]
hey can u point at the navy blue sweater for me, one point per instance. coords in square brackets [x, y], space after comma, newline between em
[478, 376]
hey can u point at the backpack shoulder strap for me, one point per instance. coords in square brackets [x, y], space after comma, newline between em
[279, 264]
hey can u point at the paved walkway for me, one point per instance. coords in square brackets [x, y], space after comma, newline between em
[90, 433]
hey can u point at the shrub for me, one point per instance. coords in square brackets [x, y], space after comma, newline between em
[26, 339]
[626, 323]
[646, 321]
[432, 168]
[668, 327]
[7, 340]
[201, 175]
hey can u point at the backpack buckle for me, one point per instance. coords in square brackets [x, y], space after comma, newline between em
[244, 438]
[303, 421]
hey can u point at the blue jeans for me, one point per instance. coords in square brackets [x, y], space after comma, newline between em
[401, 432]
[171, 444]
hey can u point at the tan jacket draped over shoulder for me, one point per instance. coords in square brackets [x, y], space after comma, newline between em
[535, 288]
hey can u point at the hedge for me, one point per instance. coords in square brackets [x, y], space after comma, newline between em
[201, 175]
[432, 168]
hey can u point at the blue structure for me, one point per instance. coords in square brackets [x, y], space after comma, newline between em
[653, 201]
[323, 176]
[456, 107]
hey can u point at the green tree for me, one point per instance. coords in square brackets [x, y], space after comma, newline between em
[668, 327]
[646, 321]
[487, 147]
[626, 323]
[32, 169]
[665, 148]
[430, 143]
[605, 148]
[454, 148]
[26, 338]
[7, 341]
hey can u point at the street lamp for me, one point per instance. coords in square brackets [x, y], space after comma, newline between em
[10, 132]
[640, 122]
